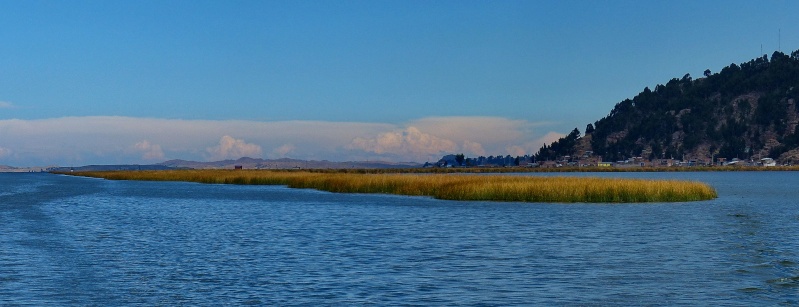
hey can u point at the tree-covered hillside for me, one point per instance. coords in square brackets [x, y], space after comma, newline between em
[743, 111]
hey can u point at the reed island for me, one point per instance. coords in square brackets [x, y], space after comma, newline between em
[463, 187]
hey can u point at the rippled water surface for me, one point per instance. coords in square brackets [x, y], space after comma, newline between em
[79, 241]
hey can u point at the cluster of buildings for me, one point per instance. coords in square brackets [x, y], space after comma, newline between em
[588, 159]
[641, 162]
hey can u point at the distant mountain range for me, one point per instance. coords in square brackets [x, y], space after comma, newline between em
[285, 163]
[245, 163]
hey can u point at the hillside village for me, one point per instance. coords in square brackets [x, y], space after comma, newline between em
[743, 115]
[588, 159]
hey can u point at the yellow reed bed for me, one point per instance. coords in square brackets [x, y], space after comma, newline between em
[447, 186]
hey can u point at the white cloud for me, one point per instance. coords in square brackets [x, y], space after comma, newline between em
[113, 140]
[473, 148]
[477, 128]
[482, 136]
[410, 142]
[149, 151]
[6, 105]
[516, 150]
[548, 139]
[231, 148]
[284, 150]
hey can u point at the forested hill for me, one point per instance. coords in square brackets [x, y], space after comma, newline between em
[744, 111]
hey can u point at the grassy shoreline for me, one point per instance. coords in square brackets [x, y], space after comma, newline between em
[444, 186]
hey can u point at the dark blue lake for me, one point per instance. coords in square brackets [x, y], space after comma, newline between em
[80, 241]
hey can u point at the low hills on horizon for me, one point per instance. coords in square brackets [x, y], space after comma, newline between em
[283, 163]
[244, 162]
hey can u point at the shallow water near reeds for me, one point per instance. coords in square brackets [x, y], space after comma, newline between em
[80, 241]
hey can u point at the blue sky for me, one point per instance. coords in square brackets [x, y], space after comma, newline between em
[84, 82]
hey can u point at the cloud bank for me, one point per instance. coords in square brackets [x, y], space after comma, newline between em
[149, 151]
[410, 142]
[110, 140]
[231, 148]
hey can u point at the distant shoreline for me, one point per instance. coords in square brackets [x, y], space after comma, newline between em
[442, 170]
[472, 169]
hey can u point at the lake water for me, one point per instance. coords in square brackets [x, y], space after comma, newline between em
[81, 241]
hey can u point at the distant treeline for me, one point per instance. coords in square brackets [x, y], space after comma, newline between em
[462, 160]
